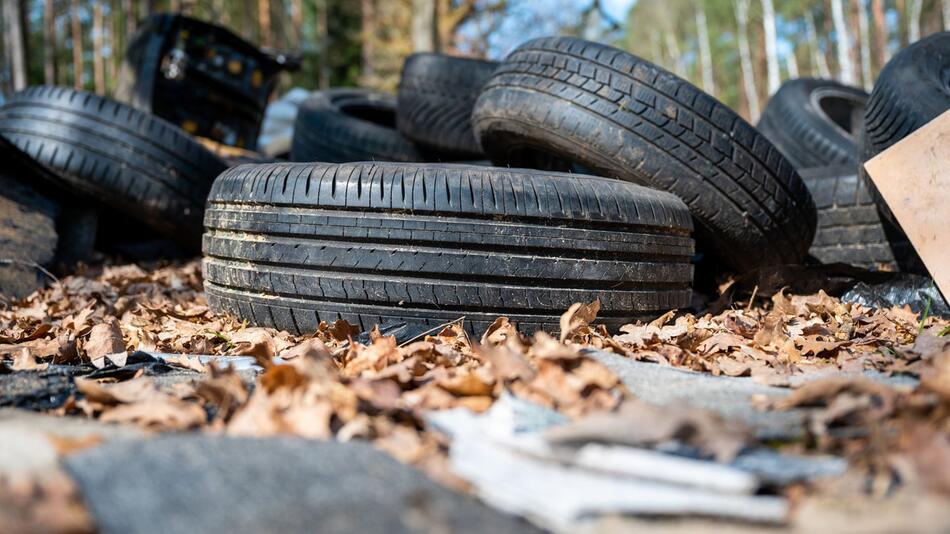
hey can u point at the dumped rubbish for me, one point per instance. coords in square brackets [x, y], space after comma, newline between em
[563, 291]
[914, 291]
[200, 77]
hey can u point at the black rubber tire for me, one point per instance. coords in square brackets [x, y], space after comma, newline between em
[290, 245]
[912, 89]
[849, 226]
[623, 117]
[343, 125]
[114, 155]
[813, 122]
[435, 99]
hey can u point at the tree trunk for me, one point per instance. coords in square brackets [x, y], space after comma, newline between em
[673, 48]
[913, 20]
[263, 15]
[323, 38]
[368, 25]
[846, 69]
[865, 38]
[705, 52]
[771, 46]
[14, 44]
[130, 19]
[945, 8]
[880, 32]
[76, 26]
[791, 64]
[900, 7]
[745, 59]
[296, 20]
[98, 66]
[821, 63]
[112, 43]
[424, 26]
[49, 43]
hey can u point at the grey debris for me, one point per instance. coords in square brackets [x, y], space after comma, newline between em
[207, 484]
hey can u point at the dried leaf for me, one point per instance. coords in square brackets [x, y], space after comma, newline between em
[104, 339]
[578, 315]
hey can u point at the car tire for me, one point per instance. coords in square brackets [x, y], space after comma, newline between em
[343, 125]
[435, 100]
[813, 122]
[910, 91]
[116, 156]
[623, 117]
[292, 245]
[849, 226]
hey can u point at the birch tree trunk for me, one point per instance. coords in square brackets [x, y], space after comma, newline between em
[821, 64]
[13, 43]
[945, 7]
[865, 45]
[771, 46]
[76, 31]
[49, 43]
[913, 20]
[843, 43]
[880, 32]
[705, 52]
[424, 26]
[745, 59]
[98, 65]
[673, 48]
[791, 64]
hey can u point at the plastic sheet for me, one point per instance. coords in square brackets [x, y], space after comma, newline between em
[918, 292]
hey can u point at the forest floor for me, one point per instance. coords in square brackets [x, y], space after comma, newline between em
[872, 386]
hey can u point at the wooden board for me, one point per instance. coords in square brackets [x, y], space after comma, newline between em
[913, 176]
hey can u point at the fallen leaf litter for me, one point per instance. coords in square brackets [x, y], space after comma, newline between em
[328, 386]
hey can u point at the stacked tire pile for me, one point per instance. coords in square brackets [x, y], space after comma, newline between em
[88, 168]
[608, 178]
[569, 172]
[127, 176]
[828, 130]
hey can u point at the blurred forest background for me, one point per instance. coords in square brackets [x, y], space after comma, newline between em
[738, 50]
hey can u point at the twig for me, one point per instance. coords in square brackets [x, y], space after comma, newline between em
[755, 290]
[37, 266]
[429, 331]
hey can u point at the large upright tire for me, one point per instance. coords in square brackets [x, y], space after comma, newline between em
[911, 90]
[290, 245]
[116, 156]
[343, 125]
[623, 117]
[813, 122]
[435, 100]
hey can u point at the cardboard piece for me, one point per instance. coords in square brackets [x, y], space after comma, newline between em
[913, 176]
